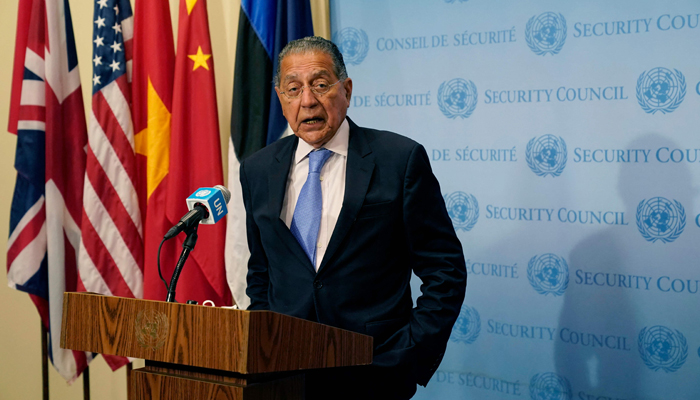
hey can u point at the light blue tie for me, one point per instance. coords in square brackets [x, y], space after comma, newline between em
[307, 213]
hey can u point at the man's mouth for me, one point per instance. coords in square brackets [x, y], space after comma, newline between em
[311, 121]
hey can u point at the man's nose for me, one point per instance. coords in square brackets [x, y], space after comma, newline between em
[308, 98]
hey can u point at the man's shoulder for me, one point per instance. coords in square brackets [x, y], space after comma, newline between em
[264, 156]
[379, 140]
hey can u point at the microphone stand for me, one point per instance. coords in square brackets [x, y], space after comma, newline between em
[187, 247]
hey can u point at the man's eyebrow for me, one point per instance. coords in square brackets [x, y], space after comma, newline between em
[314, 75]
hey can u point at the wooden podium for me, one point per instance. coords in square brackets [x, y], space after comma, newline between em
[194, 352]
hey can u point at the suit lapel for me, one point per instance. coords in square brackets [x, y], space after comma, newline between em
[359, 167]
[277, 185]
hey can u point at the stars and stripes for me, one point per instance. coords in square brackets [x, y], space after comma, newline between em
[111, 250]
[113, 31]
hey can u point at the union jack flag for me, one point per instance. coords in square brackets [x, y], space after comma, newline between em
[47, 114]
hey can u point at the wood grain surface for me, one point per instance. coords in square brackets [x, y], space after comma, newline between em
[156, 386]
[281, 343]
[245, 342]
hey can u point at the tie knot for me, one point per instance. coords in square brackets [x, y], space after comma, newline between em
[317, 159]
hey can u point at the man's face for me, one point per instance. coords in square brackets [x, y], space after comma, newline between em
[315, 118]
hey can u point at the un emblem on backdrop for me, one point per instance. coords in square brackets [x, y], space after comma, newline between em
[546, 33]
[549, 386]
[463, 210]
[353, 44]
[548, 274]
[660, 219]
[660, 89]
[662, 348]
[467, 327]
[546, 155]
[457, 98]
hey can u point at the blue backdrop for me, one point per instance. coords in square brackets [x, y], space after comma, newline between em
[565, 138]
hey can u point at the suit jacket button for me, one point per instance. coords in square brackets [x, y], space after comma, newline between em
[318, 284]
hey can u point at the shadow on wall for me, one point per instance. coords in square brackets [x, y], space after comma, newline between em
[613, 292]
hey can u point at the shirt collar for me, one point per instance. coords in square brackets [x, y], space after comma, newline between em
[338, 144]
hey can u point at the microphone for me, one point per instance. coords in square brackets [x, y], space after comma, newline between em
[206, 206]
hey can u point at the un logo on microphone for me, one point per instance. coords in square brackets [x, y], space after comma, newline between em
[662, 348]
[546, 155]
[660, 219]
[660, 89]
[546, 33]
[463, 210]
[467, 327]
[550, 386]
[548, 274]
[353, 44]
[457, 98]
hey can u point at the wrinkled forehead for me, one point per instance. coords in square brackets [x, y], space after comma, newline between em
[306, 66]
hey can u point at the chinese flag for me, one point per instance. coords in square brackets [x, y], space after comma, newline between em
[195, 159]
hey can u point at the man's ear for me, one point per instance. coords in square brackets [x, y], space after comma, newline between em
[279, 95]
[283, 100]
[347, 84]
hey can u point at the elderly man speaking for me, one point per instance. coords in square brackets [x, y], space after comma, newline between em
[338, 216]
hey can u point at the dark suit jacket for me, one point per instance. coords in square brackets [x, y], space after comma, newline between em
[393, 221]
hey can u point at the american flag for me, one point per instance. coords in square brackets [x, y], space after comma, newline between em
[47, 114]
[111, 250]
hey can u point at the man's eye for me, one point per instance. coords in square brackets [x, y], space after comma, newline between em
[321, 86]
[292, 89]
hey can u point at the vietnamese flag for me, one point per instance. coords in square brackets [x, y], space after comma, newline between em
[195, 158]
[152, 94]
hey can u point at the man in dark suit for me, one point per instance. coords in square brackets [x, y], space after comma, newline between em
[376, 214]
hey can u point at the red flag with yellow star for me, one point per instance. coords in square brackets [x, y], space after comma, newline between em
[152, 94]
[195, 157]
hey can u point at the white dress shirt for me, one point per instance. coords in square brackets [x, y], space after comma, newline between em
[332, 185]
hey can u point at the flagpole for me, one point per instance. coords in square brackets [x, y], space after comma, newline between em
[44, 362]
[86, 383]
[129, 367]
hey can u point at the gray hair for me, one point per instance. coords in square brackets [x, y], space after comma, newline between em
[312, 44]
